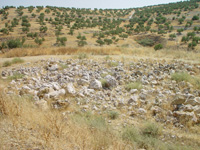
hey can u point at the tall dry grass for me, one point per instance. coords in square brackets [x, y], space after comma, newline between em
[24, 126]
[21, 52]
[137, 52]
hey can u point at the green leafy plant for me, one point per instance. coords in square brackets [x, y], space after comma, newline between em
[158, 46]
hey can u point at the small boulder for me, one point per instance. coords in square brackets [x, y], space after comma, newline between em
[95, 84]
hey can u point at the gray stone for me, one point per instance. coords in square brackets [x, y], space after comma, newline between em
[111, 81]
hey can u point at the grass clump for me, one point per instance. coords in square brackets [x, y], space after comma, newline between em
[17, 60]
[104, 83]
[113, 64]
[148, 137]
[91, 120]
[16, 76]
[6, 64]
[151, 129]
[181, 76]
[113, 115]
[14, 61]
[134, 85]
[63, 66]
[82, 56]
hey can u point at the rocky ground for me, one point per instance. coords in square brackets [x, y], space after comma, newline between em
[143, 88]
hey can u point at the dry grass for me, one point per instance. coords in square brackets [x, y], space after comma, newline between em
[139, 53]
[24, 126]
[21, 52]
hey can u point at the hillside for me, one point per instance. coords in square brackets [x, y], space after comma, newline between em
[174, 26]
[113, 79]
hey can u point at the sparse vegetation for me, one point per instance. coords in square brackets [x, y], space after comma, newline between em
[146, 42]
[14, 61]
[133, 85]
[180, 76]
[113, 115]
[6, 64]
[16, 76]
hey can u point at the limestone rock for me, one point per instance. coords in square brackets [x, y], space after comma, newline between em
[70, 88]
[111, 81]
[95, 84]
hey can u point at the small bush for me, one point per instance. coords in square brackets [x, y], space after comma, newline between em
[158, 46]
[15, 43]
[82, 43]
[146, 42]
[113, 115]
[61, 41]
[151, 129]
[195, 17]
[6, 64]
[133, 85]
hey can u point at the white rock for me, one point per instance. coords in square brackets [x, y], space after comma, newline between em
[142, 111]
[70, 88]
[95, 84]
[133, 91]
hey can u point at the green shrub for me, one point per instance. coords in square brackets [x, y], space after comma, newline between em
[6, 64]
[39, 41]
[131, 134]
[151, 129]
[14, 43]
[4, 31]
[113, 115]
[134, 85]
[61, 41]
[192, 45]
[158, 47]
[82, 43]
[195, 17]
[146, 42]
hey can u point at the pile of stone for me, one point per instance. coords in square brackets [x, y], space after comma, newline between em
[98, 86]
